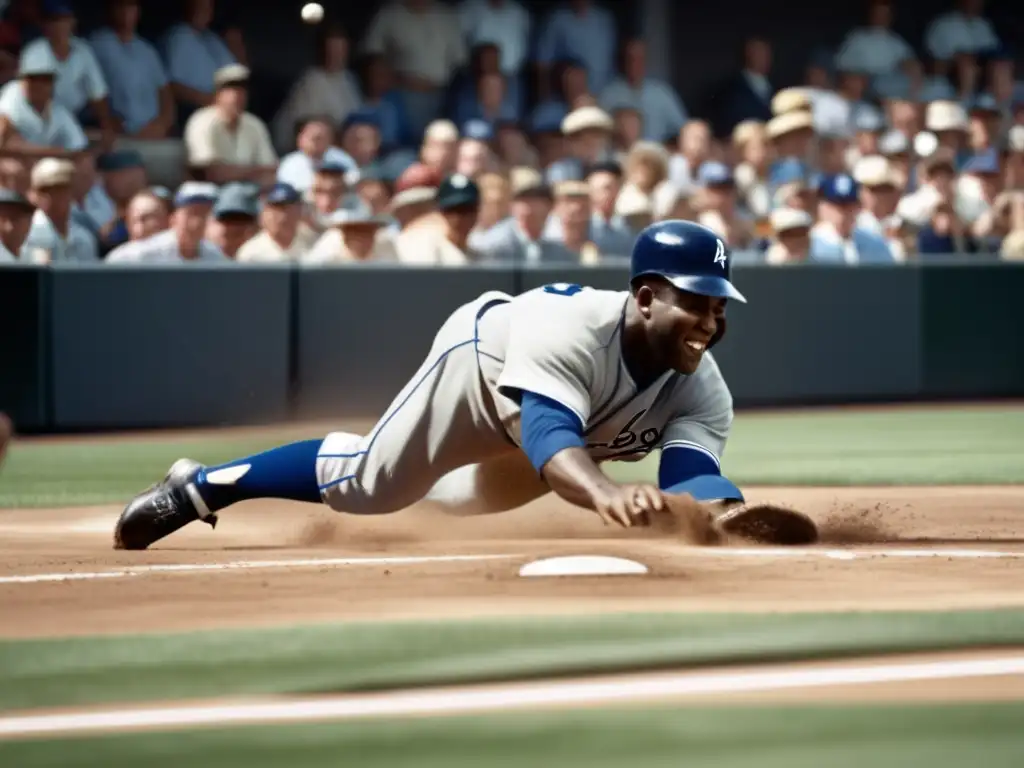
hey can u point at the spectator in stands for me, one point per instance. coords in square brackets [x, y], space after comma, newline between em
[983, 123]
[832, 148]
[360, 138]
[646, 166]
[719, 211]
[980, 184]
[474, 155]
[628, 130]
[424, 39]
[694, 150]
[504, 24]
[662, 111]
[572, 210]
[879, 193]
[836, 237]
[32, 124]
[751, 146]
[235, 218]
[384, 101]
[669, 202]
[91, 206]
[458, 203]
[79, 85]
[963, 30]
[520, 239]
[948, 121]
[14, 175]
[937, 179]
[15, 221]
[792, 137]
[326, 193]
[326, 91]
[415, 195]
[55, 236]
[146, 215]
[868, 125]
[185, 241]
[440, 145]
[495, 204]
[353, 236]
[636, 210]
[372, 193]
[483, 91]
[284, 238]
[791, 242]
[568, 87]
[1001, 83]
[315, 136]
[588, 134]
[140, 94]
[513, 148]
[580, 30]
[748, 95]
[875, 49]
[194, 54]
[224, 142]
[943, 233]
[22, 21]
[608, 230]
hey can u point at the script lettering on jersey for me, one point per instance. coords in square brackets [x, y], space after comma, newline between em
[627, 441]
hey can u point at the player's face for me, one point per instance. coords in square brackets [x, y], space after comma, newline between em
[679, 324]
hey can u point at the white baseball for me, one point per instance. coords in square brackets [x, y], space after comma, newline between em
[312, 13]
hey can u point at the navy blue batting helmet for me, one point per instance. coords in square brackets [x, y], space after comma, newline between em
[690, 256]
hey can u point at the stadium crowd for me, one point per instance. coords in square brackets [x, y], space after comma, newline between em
[452, 134]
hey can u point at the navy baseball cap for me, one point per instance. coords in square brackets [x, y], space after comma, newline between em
[361, 117]
[839, 188]
[55, 8]
[715, 174]
[984, 103]
[236, 200]
[457, 191]
[283, 194]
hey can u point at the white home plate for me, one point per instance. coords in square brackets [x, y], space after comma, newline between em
[583, 565]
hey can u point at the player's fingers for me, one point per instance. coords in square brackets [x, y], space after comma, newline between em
[653, 498]
[621, 512]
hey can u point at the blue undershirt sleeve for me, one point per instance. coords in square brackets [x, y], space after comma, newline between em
[547, 428]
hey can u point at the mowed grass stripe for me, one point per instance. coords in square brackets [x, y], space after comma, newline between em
[386, 655]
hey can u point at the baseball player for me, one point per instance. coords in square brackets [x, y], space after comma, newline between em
[517, 397]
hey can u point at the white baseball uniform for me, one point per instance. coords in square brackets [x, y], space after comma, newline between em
[452, 436]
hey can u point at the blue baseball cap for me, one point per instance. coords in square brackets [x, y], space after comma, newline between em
[984, 103]
[480, 130]
[55, 8]
[839, 188]
[283, 194]
[714, 174]
[457, 191]
[11, 197]
[361, 117]
[192, 192]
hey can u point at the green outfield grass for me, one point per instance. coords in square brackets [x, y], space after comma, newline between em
[364, 656]
[988, 735]
[884, 447]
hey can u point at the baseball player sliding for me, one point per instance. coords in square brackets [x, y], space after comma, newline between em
[521, 396]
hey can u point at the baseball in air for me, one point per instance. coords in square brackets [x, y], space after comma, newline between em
[312, 13]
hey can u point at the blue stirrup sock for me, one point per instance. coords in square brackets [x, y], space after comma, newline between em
[287, 472]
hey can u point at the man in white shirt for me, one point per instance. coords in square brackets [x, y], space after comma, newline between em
[874, 49]
[55, 236]
[183, 243]
[80, 83]
[424, 41]
[15, 221]
[964, 30]
[224, 141]
[314, 149]
[284, 236]
[663, 112]
[503, 23]
[32, 124]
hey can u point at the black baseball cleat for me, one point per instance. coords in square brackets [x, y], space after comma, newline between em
[162, 509]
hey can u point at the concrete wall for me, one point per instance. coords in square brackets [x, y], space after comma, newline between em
[119, 348]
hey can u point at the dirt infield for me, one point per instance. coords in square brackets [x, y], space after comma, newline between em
[267, 563]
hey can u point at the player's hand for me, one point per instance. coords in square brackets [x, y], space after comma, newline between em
[629, 505]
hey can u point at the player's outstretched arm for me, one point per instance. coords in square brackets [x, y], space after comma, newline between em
[552, 438]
